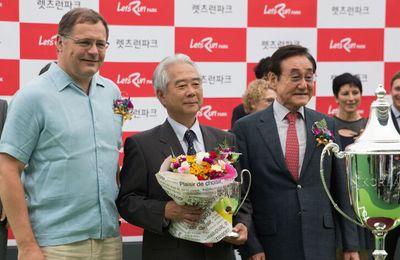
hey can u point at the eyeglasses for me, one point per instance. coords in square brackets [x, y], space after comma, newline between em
[296, 78]
[88, 43]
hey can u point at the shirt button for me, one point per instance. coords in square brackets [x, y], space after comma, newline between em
[299, 187]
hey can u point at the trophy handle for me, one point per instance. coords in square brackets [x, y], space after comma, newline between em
[247, 191]
[331, 146]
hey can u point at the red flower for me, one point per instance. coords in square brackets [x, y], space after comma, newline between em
[213, 154]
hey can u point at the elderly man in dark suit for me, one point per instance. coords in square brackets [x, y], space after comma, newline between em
[292, 216]
[141, 200]
[392, 238]
[3, 220]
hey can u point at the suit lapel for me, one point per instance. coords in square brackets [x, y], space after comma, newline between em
[210, 140]
[310, 143]
[269, 132]
[169, 141]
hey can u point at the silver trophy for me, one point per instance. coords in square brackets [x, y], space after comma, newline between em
[234, 192]
[373, 174]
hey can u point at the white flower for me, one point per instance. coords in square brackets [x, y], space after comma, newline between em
[200, 156]
[222, 164]
[216, 167]
[185, 164]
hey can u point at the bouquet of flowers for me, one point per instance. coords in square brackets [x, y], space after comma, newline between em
[206, 180]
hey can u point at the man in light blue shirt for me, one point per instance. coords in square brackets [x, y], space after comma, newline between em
[64, 137]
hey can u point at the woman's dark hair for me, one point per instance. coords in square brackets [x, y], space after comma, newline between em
[343, 79]
[262, 67]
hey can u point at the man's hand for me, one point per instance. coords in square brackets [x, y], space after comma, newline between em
[351, 255]
[242, 231]
[189, 214]
[30, 253]
[259, 256]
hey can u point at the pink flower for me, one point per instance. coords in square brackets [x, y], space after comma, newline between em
[185, 168]
[230, 172]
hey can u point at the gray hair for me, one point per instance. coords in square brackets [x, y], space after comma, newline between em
[160, 75]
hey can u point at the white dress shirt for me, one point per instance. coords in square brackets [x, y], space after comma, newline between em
[282, 124]
[180, 131]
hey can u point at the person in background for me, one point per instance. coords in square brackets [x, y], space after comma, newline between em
[392, 239]
[59, 151]
[261, 72]
[347, 90]
[45, 68]
[258, 96]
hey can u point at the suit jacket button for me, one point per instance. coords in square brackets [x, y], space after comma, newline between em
[299, 187]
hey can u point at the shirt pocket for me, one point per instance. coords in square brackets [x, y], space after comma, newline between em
[328, 221]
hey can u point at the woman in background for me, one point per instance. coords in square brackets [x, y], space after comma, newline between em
[258, 96]
[261, 72]
[347, 90]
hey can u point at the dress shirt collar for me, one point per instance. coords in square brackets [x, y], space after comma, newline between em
[62, 80]
[180, 129]
[281, 111]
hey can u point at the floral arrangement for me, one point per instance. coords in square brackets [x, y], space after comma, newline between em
[321, 132]
[207, 165]
[123, 107]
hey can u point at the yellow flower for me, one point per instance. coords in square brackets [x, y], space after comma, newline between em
[195, 169]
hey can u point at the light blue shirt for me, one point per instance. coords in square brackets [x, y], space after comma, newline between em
[282, 124]
[180, 131]
[70, 142]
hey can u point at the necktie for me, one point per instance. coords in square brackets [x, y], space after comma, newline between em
[292, 146]
[189, 138]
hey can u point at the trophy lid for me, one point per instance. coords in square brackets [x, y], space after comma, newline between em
[380, 136]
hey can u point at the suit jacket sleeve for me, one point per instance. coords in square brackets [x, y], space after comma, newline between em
[252, 245]
[133, 202]
[340, 193]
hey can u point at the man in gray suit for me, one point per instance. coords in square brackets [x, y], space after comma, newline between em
[3, 220]
[141, 200]
[292, 216]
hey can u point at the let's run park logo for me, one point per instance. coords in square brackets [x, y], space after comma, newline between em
[281, 10]
[135, 7]
[208, 44]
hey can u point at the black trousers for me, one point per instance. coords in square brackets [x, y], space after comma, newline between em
[3, 242]
[391, 243]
